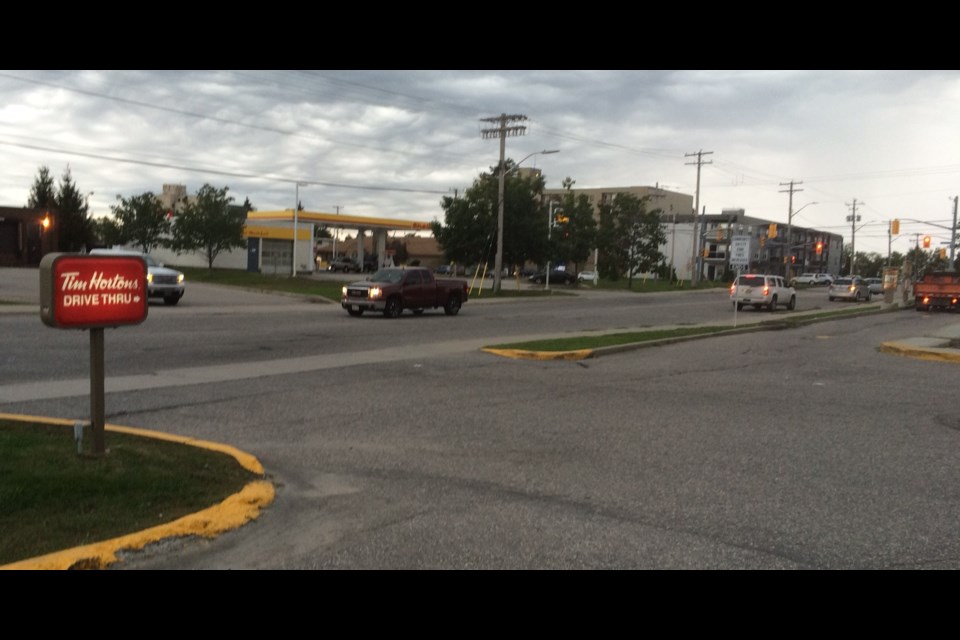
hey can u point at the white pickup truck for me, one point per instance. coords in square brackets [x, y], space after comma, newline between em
[761, 291]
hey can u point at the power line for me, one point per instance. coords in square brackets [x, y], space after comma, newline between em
[234, 174]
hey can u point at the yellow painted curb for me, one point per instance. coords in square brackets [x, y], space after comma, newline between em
[933, 354]
[232, 513]
[521, 354]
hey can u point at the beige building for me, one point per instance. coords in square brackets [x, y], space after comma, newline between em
[677, 210]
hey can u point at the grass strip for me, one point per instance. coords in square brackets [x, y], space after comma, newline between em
[608, 340]
[54, 498]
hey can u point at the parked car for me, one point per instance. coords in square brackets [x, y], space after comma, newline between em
[556, 277]
[162, 282]
[444, 270]
[849, 288]
[875, 285]
[762, 290]
[588, 276]
[812, 279]
[344, 264]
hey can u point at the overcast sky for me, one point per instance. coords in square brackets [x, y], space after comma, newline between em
[392, 143]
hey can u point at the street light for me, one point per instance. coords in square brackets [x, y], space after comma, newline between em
[790, 230]
[498, 261]
[296, 209]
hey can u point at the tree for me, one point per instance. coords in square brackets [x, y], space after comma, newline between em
[469, 234]
[210, 224]
[629, 237]
[141, 221]
[42, 193]
[572, 239]
[107, 232]
[76, 229]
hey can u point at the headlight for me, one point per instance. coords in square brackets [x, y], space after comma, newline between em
[375, 292]
[180, 279]
[149, 278]
[343, 290]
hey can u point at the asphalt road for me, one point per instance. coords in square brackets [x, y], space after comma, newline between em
[400, 445]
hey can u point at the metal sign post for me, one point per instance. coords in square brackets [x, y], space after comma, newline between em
[93, 292]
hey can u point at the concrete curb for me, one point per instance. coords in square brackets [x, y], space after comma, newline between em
[935, 354]
[231, 513]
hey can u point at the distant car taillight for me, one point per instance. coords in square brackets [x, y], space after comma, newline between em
[766, 291]
[926, 299]
[733, 288]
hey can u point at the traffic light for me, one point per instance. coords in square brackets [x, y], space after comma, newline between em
[772, 231]
[819, 248]
[895, 227]
[943, 253]
[560, 218]
[926, 242]
[793, 259]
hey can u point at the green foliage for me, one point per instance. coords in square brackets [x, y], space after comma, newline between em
[629, 237]
[140, 220]
[42, 193]
[572, 240]
[75, 231]
[469, 232]
[107, 232]
[209, 225]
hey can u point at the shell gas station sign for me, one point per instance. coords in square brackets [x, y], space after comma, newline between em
[84, 292]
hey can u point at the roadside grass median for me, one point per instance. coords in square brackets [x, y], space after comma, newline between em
[300, 285]
[54, 498]
[586, 346]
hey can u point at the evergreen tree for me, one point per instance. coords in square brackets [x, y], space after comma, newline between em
[42, 193]
[76, 229]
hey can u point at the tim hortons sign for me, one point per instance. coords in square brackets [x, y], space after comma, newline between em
[86, 292]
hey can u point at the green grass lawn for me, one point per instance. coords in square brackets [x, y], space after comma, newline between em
[53, 498]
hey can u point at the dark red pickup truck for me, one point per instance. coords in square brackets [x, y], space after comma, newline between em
[395, 289]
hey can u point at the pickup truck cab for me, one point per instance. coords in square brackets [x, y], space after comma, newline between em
[392, 290]
[761, 291]
[162, 282]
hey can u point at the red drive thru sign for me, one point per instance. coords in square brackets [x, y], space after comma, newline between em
[86, 292]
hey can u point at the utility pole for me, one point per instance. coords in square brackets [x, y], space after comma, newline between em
[789, 253]
[695, 261]
[501, 131]
[336, 232]
[953, 235]
[853, 219]
[673, 237]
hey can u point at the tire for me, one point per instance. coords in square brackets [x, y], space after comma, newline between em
[857, 297]
[171, 300]
[869, 296]
[773, 304]
[830, 298]
[538, 281]
[356, 313]
[793, 303]
[394, 308]
[418, 312]
[452, 307]
[739, 306]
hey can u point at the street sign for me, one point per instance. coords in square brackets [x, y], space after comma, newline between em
[84, 291]
[740, 251]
